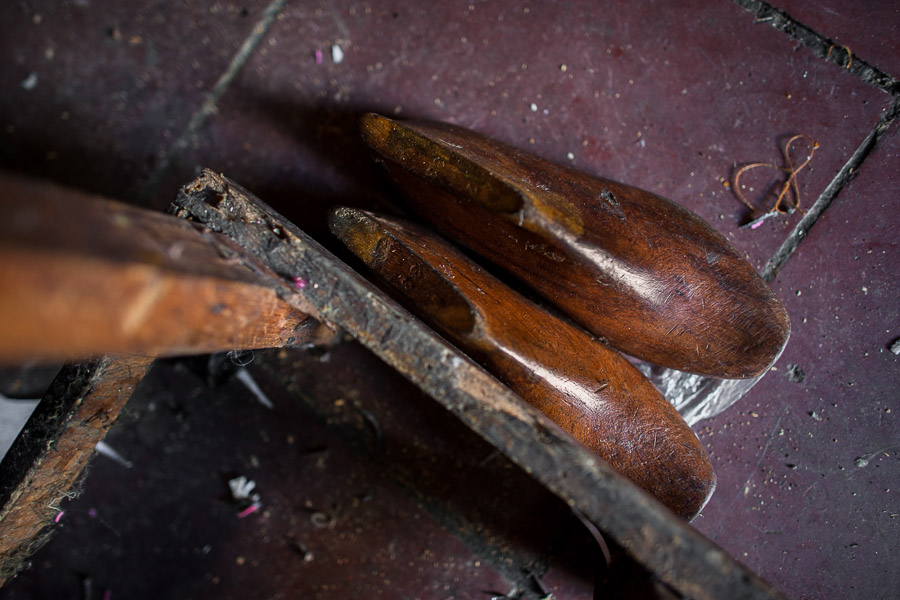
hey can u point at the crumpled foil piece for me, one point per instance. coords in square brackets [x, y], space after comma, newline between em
[696, 397]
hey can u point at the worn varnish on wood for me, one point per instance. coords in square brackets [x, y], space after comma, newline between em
[84, 276]
[644, 529]
[588, 389]
[652, 278]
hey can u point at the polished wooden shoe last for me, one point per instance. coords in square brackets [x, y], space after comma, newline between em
[582, 385]
[648, 276]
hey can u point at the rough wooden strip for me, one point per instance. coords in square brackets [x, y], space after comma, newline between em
[61, 306]
[665, 545]
[83, 276]
[54, 448]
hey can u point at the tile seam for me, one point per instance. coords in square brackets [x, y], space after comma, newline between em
[211, 100]
[822, 46]
[846, 173]
[787, 249]
[504, 560]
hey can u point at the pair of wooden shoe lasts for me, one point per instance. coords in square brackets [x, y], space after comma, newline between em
[647, 276]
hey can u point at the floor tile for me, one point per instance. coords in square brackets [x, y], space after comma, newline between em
[808, 462]
[668, 99]
[97, 91]
[870, 29]
[332, 523]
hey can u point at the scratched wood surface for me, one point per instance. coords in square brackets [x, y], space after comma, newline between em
[584, 386]
[649, 276]
[84, 276]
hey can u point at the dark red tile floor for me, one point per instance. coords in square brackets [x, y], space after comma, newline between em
[808, 470]
[868, 29]
[346, 512]
[666, 97]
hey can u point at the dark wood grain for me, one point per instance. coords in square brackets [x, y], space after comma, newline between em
[582, 385]
[652, 278]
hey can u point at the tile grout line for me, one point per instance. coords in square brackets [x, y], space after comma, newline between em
[480, 542]
[831, 191]
[801, 230]
[211, 101]
[822, 46]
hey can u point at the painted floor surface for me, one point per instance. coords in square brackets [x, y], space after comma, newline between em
[131, 99]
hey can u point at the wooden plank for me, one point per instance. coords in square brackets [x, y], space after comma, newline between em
[84, 276]
[649, 533]
[48, 457]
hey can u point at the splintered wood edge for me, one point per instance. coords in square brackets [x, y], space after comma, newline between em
[139, 282]
[46, 460]
[665, 545]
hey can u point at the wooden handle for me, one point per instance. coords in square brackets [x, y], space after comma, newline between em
[652, 278]
[582, 385]
[85, 276]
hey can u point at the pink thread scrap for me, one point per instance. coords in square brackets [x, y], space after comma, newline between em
[58, 516]
[319, 56]
[757, 224]
[248, 511]
[299, 283]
